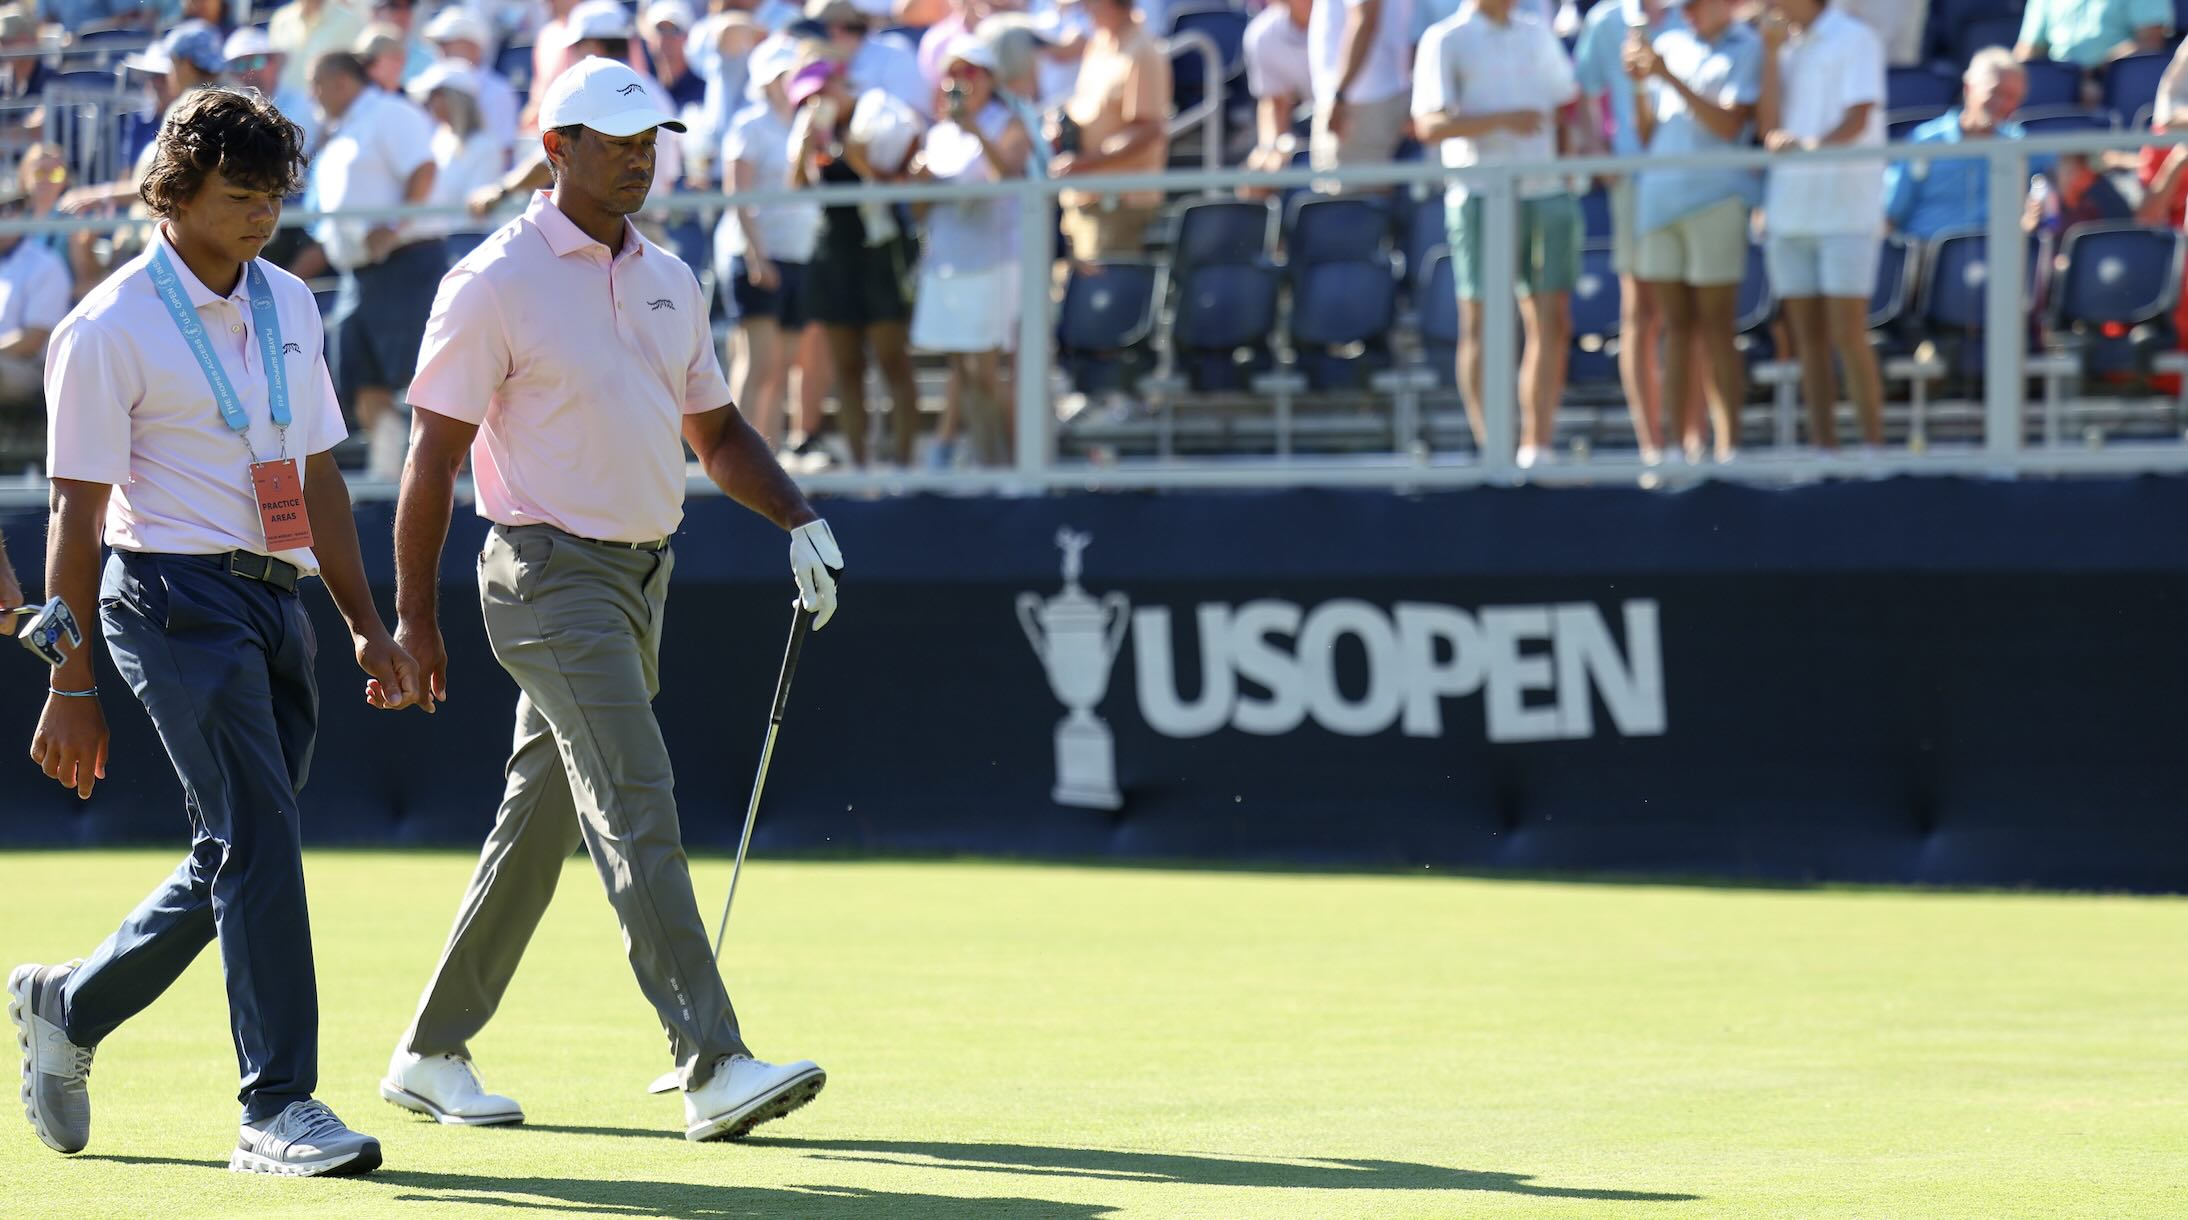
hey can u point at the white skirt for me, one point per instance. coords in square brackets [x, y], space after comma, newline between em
[966, 311]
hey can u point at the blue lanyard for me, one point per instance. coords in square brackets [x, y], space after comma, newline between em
[268, 325]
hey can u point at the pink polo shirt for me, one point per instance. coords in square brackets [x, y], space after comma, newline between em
[578, 369]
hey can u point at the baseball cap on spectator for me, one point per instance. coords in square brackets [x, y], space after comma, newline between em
[672, 12]
[455, 24]
[16, 23]
[770, 62]
[603, 19]
[835, 12]
[606, 96]
[248, 41]
[810, 79]
[443, 74]
[193, 42]
[972, 49]
[888, 127]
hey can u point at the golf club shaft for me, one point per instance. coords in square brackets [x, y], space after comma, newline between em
[799, 627]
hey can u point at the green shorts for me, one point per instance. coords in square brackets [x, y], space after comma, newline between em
[1548, 258]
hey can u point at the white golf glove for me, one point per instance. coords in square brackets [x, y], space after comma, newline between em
[814, 558]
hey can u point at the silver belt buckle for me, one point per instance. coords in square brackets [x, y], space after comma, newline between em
[42, 628]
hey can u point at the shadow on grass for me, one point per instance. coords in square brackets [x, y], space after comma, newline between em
[1194, 1169]
[678, 1200]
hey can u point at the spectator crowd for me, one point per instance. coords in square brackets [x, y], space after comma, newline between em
[412, 103]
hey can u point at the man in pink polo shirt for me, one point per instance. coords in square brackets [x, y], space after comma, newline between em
[572, 359]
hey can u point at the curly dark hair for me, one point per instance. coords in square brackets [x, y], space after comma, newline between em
[236, 132]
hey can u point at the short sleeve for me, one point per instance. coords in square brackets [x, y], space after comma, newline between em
[2032, 25]
[406, 137]
[1864, 70]
[92, 385]
[465, 355]
[328, 429]
[2142, 14]
[1744, 83]
[1431, 83]
[1255, 50]
[1557, 70]
[47, 302]
[705, 389]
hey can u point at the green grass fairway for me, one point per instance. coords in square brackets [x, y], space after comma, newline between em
[1072, 1043]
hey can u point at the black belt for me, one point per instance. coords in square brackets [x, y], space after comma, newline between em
[250, 565]
[651, 544]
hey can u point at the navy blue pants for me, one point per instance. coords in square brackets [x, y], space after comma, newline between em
[224, 666]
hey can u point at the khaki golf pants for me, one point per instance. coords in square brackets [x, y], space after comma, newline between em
[578, 625]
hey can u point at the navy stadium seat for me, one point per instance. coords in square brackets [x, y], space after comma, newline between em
[1899, 125]
[1595, 215]
[515, 65]
[2063, 120]
[2051, 83]
[1106, 326]
[1905, 88]
[1436, 297]
[1220, 232]
[1953, 305]
[1595, 305]
[2116, 293]
[2132, 83]
[1225, 315]
[1341, 318]
[1894, 291]
[1332, 228]
[1221, 24]
[1981, 33]
[1751, 309]
[1424, 231]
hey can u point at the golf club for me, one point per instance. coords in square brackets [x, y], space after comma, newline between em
[801, 625]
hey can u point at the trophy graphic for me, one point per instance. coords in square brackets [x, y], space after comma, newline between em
[1077, 639]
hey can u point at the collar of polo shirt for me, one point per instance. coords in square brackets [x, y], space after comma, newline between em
[193, 287]
[565, 238]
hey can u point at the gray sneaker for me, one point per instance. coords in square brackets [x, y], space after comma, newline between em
[305, 1141]
[56, 1072]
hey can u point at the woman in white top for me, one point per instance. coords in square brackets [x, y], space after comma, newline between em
[967, 304]
[760, 251]
[466, 156]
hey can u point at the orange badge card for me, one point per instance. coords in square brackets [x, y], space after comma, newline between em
[280, 490]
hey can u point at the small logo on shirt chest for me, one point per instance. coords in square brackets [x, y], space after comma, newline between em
[663, 303]
[292, 349]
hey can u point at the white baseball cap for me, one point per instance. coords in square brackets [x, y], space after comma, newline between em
[606, 96]
[771, 61]
[443, 74]
[675, 12]
[599, 19]
[248, 40]
[454, 24]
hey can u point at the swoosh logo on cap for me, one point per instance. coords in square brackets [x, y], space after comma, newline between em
[631, 88]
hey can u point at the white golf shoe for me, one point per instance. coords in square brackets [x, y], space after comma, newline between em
[305, 1140]
[746, 1092]
[446, 1089]
[56, 1072]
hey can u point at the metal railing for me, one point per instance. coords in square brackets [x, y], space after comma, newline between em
[2001, 449]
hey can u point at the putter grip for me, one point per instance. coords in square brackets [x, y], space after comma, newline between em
[800, 627]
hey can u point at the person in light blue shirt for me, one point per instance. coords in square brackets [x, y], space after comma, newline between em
[1697, 90]
[1598, 62]
[2093, 33]
[1925, 198]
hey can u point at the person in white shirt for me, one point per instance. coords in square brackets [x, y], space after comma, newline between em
[192, 425]
[378, 154]
[465, 155]
[461, 35]
[967, 302]
[1487, 85]
[35, 293]
[762, 250]
[1357, 57]
[1279, 77]
[1823, 87]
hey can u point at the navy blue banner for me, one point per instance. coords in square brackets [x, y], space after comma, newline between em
[1917, 680]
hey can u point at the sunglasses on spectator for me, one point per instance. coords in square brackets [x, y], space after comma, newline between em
[249, 63]
[855, 27]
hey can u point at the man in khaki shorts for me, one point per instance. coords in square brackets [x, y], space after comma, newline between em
[1120, 124]
[1696, 88]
